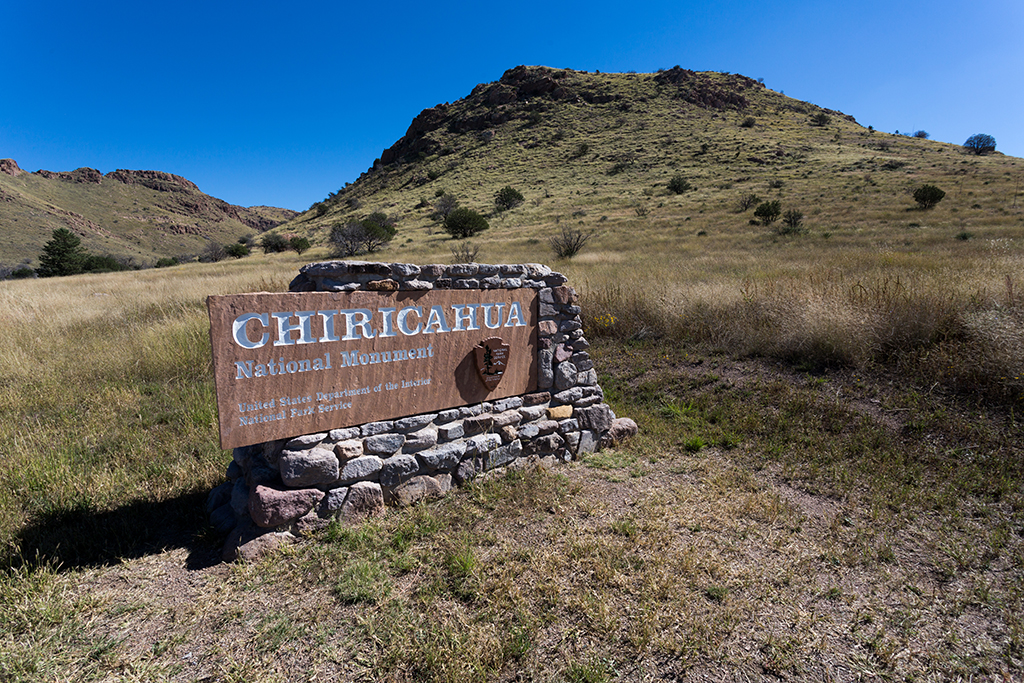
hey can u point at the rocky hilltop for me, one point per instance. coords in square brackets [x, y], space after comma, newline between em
[654, 157]
[131, 214]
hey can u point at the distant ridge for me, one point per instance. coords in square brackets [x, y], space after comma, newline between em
[135, 215]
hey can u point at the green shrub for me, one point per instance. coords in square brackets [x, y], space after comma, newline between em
[274, 243]
[579, 150]
[927, 196]
[678, 184]
[748, 122]
[299, 244]
[921, 134]
[237, 250]
[791, 223]
[94, 263]
[821, 119]
[507, 198]
[462, 222]
[768, 212]
[22, 272]
[166, 262]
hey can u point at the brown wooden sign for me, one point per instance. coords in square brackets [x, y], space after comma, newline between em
[300, 363]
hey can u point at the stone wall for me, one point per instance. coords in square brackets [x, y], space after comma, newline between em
[280, 489]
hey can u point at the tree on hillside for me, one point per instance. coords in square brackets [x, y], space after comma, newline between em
[507, 198]
[62, 255]
[367, 235]
[927, 196]
[768, 212]
[462, 223]
[980, 143]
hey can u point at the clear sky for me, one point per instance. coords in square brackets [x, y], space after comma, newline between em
[280, 103]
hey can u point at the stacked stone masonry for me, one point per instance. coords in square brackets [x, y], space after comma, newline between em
[280, 489]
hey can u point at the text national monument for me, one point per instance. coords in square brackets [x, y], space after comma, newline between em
[373, 384]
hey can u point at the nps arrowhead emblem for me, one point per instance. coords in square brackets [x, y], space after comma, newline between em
[491, 360]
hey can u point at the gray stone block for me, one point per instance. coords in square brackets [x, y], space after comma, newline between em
[565, 376]
[442, 457]
[384, 444]
[588, 442]
[417, 441]
[451, 431]
[545, 370]
[373, 428]
[510, 403]
[307, 441]
[481, 443]
[397, 469]
[503, 454]
[448, 415]
[361, 468]
[343, 434]
[308, 468]
[411, 424]
[569, 395]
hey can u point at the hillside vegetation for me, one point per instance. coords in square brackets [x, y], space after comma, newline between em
[667, 171]
[136, 216]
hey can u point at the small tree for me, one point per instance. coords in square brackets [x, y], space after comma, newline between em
[507, 198]
[678, 184]
[237, 250]
[299, 244]
[980, 143]
[748, 200]
[346, 239]
[274, 243]
[62, 255]
[570, 242]
[921, 134]
[927, 196]
[821, 119]
[378, 230]
[768, 212]
[443, 206]
[791, 222]
[462, 223]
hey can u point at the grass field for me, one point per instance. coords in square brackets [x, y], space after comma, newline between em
[814, 494]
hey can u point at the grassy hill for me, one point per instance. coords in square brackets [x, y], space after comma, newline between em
[132, 215]
[598, 150]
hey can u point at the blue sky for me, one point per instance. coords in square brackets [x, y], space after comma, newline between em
[281, 103]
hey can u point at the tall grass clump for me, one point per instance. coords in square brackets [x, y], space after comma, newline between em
[107, 407]
[969, 339]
